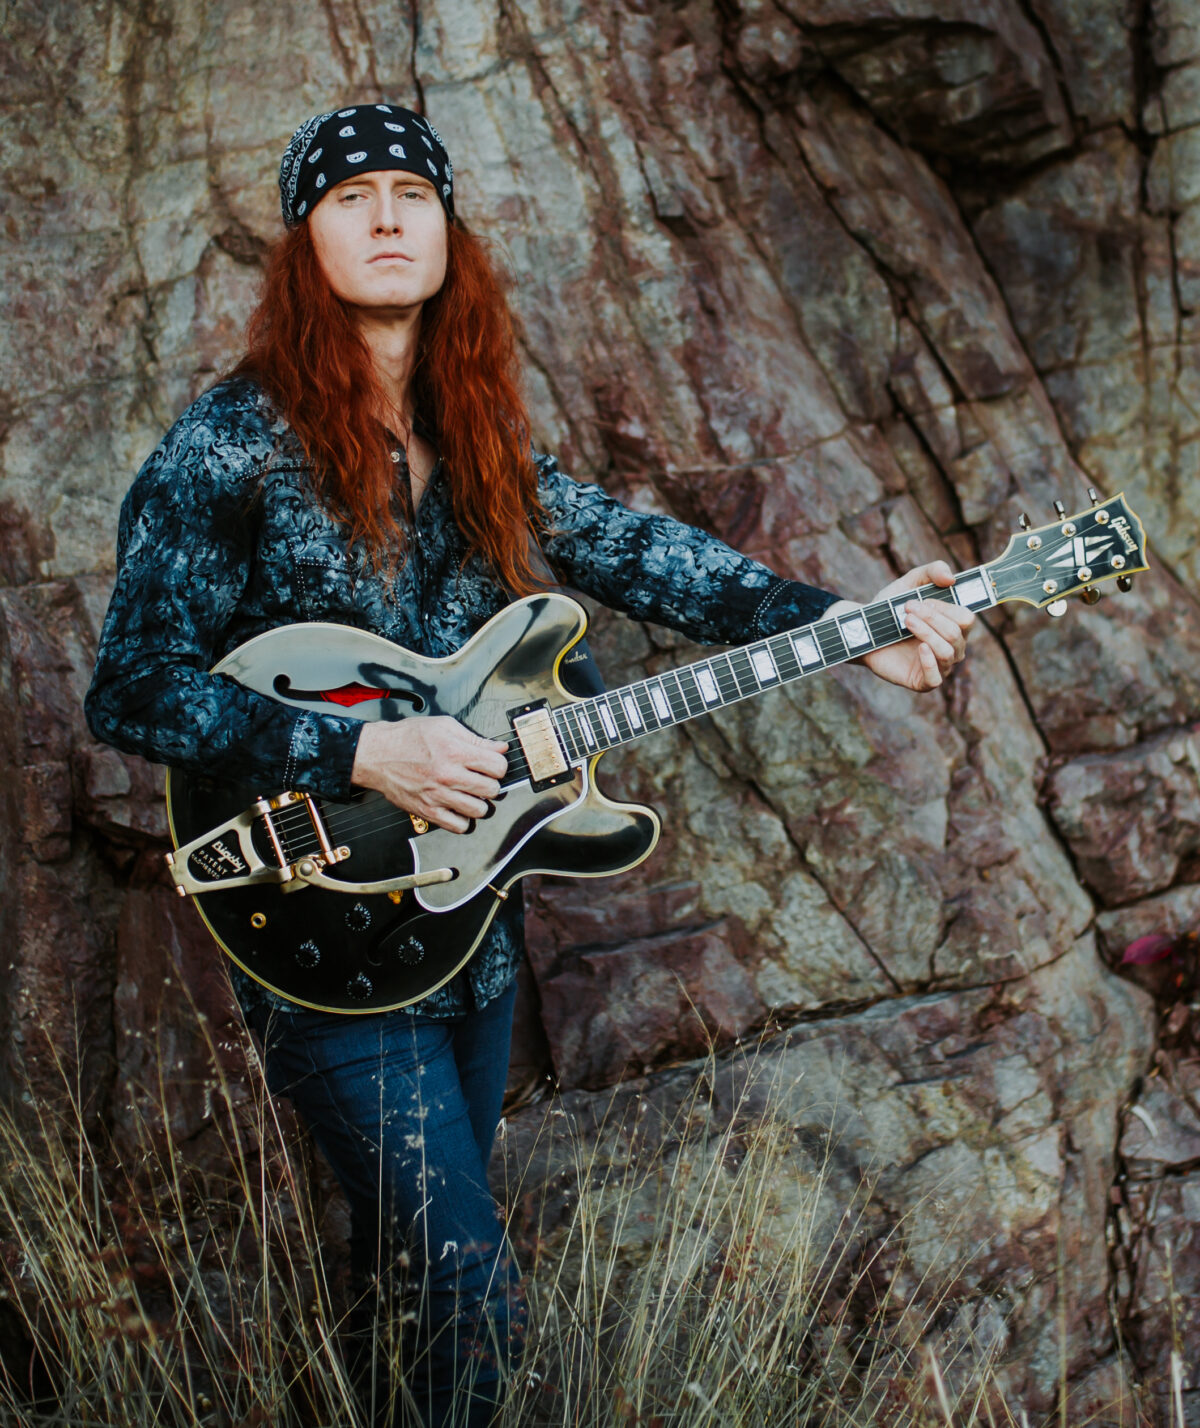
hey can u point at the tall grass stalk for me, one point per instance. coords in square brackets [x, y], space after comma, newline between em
[687, 1266]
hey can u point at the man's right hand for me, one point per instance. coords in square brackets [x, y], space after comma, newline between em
[435, 768]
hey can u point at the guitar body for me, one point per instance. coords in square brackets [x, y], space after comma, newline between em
[355, 952]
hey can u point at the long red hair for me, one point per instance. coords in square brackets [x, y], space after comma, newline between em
[305, 350]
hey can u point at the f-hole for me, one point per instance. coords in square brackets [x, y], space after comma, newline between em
[346, 695]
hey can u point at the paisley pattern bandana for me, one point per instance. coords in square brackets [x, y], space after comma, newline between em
[331, 147]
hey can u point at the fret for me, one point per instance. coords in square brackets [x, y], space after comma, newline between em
[662, 705]
[973, 591]
[784, 655]
[829, 638]
[646, 705]
[854, 632]
[587, 721]
[584, 738]
[722, 668]
[613, 704]
[706, 684]
[885, 626]
[808, 652]
[762, 661]
[630, 705]
[562, 726]
[607, 720]
[690, 689]
[897, 604]
[742, 669]
[680, 695]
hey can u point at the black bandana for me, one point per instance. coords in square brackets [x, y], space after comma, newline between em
[331, 147]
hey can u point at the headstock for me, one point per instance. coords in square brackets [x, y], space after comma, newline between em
[1071, 556]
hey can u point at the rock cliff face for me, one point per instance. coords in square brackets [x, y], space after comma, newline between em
[850, 283]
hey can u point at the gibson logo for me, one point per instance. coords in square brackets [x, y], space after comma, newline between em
[215, 861]
[1121, 526]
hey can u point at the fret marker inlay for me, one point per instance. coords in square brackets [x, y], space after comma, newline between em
[659, 699]
[806, 649]
[971, 592]
[854, 631]
[632, 712]
[708, 686]
[610, 727]
[764, 665]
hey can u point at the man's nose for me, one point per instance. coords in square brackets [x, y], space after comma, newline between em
[387, 216]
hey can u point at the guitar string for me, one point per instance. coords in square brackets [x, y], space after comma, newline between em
[300, 839]
[295, 818]
[295, 824]
[296, 827]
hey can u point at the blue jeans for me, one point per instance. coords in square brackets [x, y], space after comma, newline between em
[405, 1108]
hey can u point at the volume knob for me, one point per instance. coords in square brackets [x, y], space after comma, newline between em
[359, 987]
[358, 919]
[410, 951]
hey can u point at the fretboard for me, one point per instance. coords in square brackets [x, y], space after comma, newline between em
[589, 726]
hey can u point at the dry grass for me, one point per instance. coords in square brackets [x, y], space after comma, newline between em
[684, 1270]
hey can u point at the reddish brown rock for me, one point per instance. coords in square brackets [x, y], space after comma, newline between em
[1131, 819]
[971, 1106]
[851, 284]
[1162, 1131]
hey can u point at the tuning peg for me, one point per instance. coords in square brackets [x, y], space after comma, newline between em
[1056, 609]
[1091, 596]
[1023, 521]
[1093, 496]
[1060, 510]
[1125, 583]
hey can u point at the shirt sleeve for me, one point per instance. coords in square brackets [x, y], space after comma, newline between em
[184, 554]
[656, 568]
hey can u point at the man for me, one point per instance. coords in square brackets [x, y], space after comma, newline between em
[368, 463]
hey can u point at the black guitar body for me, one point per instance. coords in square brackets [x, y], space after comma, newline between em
[355, 952]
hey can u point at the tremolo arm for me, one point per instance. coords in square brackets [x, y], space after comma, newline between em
[226, 857]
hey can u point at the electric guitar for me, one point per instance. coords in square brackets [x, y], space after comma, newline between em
[356, 906]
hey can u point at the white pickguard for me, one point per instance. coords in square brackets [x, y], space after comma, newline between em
[482, 854]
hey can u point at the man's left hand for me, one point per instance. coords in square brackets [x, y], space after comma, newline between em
[939, 632]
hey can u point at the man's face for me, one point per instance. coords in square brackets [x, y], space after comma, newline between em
[381, 240]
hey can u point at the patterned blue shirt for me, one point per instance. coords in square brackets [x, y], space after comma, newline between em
[221, 539]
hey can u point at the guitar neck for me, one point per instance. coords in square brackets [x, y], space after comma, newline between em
[619, 716]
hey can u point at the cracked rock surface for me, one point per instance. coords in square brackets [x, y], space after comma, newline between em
[851, 283]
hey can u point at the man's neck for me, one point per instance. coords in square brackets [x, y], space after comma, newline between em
[392, 340]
